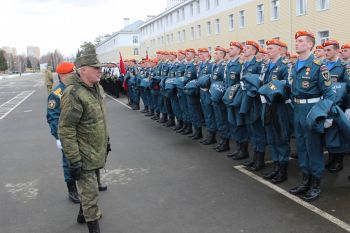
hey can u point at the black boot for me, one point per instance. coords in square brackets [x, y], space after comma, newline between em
[150, 113]
[337, 166]
[259, 162]
[73, 192]
[197, 133]
[100, 186]
[188, 129]
[81, 218]
[242, 153]
[93, 226]
[135, 106]
[234, 153]
[315, 189]
[163, 119]
[179, 125]
[282, 174]
[184, 126]
[331, 160]
[219, 144]
[156, 116]
[274, 172]
[303, 187]
[250, 162]
[210, 139]
[145, 110]
[224, 146]
[171, 122]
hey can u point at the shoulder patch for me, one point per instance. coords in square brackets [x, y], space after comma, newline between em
[58, 92]
[317, 62]
[323, 68]
[51, 104]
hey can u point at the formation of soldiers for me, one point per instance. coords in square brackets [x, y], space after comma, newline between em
[255, 97]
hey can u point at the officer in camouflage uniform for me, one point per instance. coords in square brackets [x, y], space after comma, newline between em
[83, 133]
[48, 80]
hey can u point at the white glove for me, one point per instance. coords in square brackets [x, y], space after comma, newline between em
[59, 145]
[347, 113]
[242, 85]
[328, 123]
[263, 99]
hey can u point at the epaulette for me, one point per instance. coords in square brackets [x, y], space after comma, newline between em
[58, 92]
[317, 62]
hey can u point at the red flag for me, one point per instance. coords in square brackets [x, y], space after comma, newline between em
[123, 72]
[146, 55]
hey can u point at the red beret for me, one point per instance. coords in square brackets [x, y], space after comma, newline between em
[261, 50]
[65, 68]
[159, 52]
[345, 46]
[165, 53]
[237, 44]
[319, 47]
[219, 48]
[201, 50]
[275, 42]
[190, 50]
[304, 33]
[330, 42]
[253, 43]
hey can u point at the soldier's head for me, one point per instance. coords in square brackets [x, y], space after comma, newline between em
[284, 50]
[251, 48]
[331, 49]
[172, 56]
[64, 69]
[159, 55]
[203, 54]
[304, 42]
[274, 49]
[219, 53]
[190, 53]
[181, 54]
[235, 49]
[89, 67]
[319, 51]
[345, 52]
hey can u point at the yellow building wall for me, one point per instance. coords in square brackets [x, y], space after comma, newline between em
[335, 20]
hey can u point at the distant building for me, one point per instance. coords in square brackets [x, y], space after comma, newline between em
[10, 50]
[125, 41]
[33, 51]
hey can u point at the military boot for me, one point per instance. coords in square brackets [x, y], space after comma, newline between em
[303, 187]
[337, 166]
[156, 116]
[81, 218]
[73, 192]
[184, 126]
[210, 139]
[315, 189]
[188, 129]
[242, 153]
[163, 119]
[150, 113]
[197, 133]
[101, 187]
[179, 125]
[250, 162]
[93, 226]
[331, 160]
[282, 174]
[224, 146]
[135, 106]
[145, 110]
[274, 172]
[234, 153]
[259, 162]
[171, 122]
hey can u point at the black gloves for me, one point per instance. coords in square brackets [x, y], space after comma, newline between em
[75, 170]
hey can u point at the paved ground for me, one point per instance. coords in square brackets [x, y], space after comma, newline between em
[158, 181]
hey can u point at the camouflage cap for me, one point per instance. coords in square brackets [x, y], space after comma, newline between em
[88, 60]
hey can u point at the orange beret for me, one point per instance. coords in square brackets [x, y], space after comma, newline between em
[181, 52]
[165, 53]
[304, 33]
[253, 43]
[275, 42]
[65, 68]
[192, 50]
[330, 42]
[237, 44]
[202, 50]
[261, 50]
[173, 53]
[345, 46]
[284, 45]
[319, 47]
[219, 48]
[159, 52]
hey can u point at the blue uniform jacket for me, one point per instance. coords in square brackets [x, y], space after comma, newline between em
[54, 108]
[218, 71]
[232, 73]
[337, 72]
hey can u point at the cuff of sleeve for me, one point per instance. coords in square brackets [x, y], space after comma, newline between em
[75, 160]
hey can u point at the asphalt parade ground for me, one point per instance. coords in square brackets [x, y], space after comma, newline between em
[158, 181]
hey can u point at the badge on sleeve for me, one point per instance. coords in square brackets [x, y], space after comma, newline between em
[51, 104]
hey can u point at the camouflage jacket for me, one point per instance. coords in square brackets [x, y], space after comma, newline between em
[82, 125]
[48, 78]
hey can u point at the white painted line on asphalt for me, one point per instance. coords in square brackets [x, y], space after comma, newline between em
[119, 102]
[296, 199]
[13, 103]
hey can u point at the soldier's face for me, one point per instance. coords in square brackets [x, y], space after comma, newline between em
[273, 51]
[203, 56]
[189, 56]
[345, 54]
[302, 45]
[331, 53]
[218, 55]
[90, 74]
[319, 53]
[233, 51]
[249, 50]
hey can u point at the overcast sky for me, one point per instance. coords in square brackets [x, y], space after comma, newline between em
[66, 24]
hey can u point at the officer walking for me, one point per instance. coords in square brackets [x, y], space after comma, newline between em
[64, 69]
[48, 79]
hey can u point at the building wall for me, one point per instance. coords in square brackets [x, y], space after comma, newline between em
[288, 22]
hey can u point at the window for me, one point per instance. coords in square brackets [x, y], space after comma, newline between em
[135, 39]
[178, 36]
[216, 2]
[210, 49]
[168, 39]
[191, 9]
[136, 51]
[230, 22]
[208, 4]
[172, 38]
[323, 36]
[241, 19]
[260, 14]
[171, 19]
[209, 28]
[162, 40]
[199, 32]
[322, 5]
[183, 35]
[301, 7]
[192, 33]
[261, 43]
[178, 16]
[158, 40]
[198, 7]
[275, 10]
[183, 13]
[217, 26]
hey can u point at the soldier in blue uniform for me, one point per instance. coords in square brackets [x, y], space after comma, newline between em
[219, 107]
[309, 80]
[170, 120]
[155, 88]
[345, 54]
[64, 69]
[232, 79]
[144, 86]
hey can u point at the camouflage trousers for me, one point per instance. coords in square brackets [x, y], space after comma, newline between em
[88, 190]
[49, 89]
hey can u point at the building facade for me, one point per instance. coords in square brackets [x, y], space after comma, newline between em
[208, 23]
[125, 41]
[10, 50]
[33, 51]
